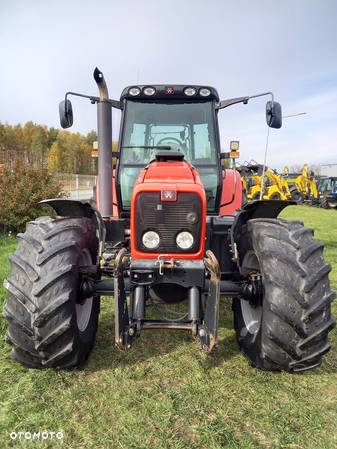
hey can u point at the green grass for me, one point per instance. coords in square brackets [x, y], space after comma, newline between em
[167, 393]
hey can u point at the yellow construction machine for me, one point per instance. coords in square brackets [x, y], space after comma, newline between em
[302, 186]
[274, 187]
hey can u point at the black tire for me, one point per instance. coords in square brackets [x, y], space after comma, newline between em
[295, 316]
[324, 203]
[276, 197]
[46, 325]
[296, 196]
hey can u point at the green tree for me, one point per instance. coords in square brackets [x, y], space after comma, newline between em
[52, 136]
[20, 192]
[39, 145]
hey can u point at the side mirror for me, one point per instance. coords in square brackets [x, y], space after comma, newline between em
[66, 113]
[274, 114]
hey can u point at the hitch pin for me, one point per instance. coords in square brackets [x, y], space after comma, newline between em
[161, 263]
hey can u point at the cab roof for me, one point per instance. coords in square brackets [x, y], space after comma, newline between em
[170, 92]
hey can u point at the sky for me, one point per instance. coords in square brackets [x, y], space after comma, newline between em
[240, 47]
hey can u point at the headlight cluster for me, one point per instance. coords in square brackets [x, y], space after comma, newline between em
[151, 240]
[191, 91]
[149, 91]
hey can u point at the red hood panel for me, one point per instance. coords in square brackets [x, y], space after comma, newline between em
[173, 171]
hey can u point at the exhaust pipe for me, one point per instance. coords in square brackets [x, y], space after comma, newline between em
[101, 84]
[104, 131]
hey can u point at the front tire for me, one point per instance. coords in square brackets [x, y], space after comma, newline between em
[289, 331]
[275, 196]
[49, 324]
[296, 195]
[324, 203]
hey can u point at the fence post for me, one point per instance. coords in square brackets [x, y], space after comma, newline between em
[77, 187]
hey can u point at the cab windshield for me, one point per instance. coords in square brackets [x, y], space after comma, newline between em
[184, 127]
[327, 185]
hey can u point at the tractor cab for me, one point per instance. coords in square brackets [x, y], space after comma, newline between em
[178, 118]
[327, 192]
[173, 118]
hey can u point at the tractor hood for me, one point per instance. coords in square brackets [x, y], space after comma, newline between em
[165, 196]
[170, 172]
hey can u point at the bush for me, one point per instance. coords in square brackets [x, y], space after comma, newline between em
[20, 191]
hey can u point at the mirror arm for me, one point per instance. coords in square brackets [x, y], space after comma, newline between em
[225, 103]
[114, 103]
[263, 95]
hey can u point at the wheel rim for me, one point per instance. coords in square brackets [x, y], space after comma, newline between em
[251, 315]
[83, 311]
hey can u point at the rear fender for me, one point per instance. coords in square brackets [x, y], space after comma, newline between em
[231, 195]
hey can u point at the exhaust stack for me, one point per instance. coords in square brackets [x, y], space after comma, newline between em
[104, 131]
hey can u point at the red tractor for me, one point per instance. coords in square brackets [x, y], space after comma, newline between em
[169, 228]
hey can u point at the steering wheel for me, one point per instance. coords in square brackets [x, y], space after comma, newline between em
[170, 139]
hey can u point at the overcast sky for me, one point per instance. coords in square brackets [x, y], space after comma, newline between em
[240, 47]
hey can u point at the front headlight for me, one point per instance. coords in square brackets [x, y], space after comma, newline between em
[190, 91]
[149, 91]
[134, 91]
[204, 92]
[151, 239]
[185, 240]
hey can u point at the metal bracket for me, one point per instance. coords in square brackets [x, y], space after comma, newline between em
[208, 333]
[122, 336]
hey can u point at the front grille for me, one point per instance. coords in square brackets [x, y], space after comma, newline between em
[168, 219]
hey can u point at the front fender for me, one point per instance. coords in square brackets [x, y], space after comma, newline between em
[255, 209]
[76, 209]
[70, 208]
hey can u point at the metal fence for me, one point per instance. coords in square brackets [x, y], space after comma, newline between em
[77, 186]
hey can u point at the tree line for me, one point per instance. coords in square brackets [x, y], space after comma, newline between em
[52, 149]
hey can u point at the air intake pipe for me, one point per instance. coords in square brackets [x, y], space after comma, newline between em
[104, 130]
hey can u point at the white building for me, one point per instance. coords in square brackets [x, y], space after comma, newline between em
[329, 170]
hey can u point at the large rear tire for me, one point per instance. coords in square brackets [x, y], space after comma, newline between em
[49, 324]
[289, 331]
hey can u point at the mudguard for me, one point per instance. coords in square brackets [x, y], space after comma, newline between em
[255, 209]
[75, 209]
[231, 194]
[70, 208]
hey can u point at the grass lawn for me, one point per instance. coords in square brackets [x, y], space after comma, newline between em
[167, 393]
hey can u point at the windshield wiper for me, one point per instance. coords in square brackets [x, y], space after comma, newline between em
[160, 147]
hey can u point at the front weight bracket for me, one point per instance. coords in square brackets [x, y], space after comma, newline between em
[208, 332]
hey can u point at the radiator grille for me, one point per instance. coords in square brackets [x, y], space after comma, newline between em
[168, 219]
